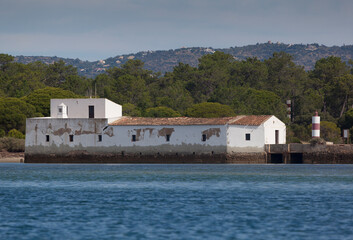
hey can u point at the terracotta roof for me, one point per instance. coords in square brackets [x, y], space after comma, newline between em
[238, 120]
[252, 120]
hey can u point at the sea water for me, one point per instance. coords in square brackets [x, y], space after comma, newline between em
[176, 201]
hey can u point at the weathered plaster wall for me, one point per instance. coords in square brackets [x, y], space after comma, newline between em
[118, 139]
[153, 139]
[85, 132]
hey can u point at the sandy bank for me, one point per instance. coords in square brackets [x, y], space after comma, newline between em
[8, 157]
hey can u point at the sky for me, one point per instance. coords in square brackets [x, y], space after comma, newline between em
[98, 29]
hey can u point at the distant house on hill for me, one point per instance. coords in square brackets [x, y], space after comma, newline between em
[94, 130]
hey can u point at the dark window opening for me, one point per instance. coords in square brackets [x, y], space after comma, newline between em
[276, 158]
[133, 138]
[91, 111]
[71, 138]
[204, 137]
[247, 136]
[99, 138]
[276, 136]
[47, 138]
[296, 158]
[167, 137]
[60, 109]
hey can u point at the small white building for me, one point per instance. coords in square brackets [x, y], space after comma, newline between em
[85, 108]
[96, 126]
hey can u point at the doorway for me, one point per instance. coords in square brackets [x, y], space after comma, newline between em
[276, 137]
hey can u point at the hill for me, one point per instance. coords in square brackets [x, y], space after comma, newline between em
[164, 60]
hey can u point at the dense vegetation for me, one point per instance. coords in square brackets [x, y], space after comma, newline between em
[218, 86]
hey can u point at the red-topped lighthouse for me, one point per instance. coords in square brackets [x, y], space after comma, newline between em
[316, 126]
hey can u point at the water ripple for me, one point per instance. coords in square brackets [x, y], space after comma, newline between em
[176, 201]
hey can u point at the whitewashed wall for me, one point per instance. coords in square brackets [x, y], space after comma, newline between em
[149, 139]
[85, 132]
[152, 139]
[271, 125]
[238, 143]
[117, 139]
[78, 108]
[112, 110]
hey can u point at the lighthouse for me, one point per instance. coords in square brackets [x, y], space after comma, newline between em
[316, 126]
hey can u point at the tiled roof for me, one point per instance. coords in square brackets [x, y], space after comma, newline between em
[238, 120]
[252, 120]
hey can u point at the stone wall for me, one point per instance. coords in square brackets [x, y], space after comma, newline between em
[85, 157]
[312, 154]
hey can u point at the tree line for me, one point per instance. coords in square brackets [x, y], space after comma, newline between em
[219, 86]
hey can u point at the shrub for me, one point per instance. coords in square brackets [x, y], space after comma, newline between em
[13, 133]
[12, 144]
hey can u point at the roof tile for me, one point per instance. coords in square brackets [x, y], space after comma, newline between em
[251, 120]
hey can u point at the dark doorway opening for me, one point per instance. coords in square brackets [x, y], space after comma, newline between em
[296, 158]
[91, 111]
[276, 158]
[276, 136]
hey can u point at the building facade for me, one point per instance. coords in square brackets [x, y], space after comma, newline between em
[94, 130]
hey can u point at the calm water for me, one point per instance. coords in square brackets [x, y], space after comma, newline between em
[176, 201]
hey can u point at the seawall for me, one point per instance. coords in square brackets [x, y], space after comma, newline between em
[310, 154]
[84, 157]
[274, 153]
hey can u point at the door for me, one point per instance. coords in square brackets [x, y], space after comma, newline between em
[276, 136]
[91, 111]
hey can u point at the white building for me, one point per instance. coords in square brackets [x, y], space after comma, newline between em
[96, 126]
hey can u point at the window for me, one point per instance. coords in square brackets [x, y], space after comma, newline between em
[47, 138]
[204, 137]
[247, 136]
[99, 138]
[60, 109]
[71, 138]
[90, 111]
[167, 137]
[133, 138]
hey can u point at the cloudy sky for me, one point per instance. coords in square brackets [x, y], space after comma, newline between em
[97, 29]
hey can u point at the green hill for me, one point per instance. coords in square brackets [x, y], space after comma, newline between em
[164, 60]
